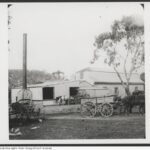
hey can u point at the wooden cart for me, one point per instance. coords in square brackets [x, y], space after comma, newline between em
[99, 105]
[23, 108]
[102, 106]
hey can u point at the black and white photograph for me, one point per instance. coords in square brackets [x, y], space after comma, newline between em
[76, 71]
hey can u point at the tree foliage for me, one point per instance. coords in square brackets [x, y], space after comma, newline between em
[123, 46]
[33, 77]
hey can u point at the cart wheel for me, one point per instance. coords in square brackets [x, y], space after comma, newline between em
[106, 110]
[88, 109]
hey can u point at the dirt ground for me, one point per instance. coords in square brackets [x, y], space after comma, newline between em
[73, 126]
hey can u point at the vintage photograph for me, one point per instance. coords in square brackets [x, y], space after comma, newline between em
[76, 71]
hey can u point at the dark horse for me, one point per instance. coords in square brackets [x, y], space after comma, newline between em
[130, 101]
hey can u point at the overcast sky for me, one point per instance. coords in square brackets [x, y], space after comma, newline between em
[61, 35]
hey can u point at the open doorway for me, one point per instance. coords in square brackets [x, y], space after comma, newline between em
[48, 93]
[73, 91]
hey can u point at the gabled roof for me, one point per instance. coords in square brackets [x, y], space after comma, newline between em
[51, 83]
[95, 69]
[100, 76]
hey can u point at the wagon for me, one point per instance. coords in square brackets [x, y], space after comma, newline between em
[23, 108]
[23, 111]
[98, 105]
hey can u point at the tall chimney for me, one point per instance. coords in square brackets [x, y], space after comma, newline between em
[24, 61]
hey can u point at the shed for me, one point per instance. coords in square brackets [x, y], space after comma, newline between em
[49, 90]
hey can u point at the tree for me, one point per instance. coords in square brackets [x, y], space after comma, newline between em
[58, 75]
[33, 77]
[123, 46]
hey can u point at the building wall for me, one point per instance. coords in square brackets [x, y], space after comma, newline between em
[87, 75]
[37, 93]
[78, 76]
[83, 75]
[91, 76]
[84, 84]
[14, 95]
[62, 89]
[95, 92]
[120, 88]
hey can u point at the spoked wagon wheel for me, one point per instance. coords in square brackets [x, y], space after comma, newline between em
[106, 110]
[88, 109]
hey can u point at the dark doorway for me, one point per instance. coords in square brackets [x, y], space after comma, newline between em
[48, 93]
[73, 91]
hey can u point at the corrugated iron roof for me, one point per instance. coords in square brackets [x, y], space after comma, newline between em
[109, 77]
[49, 83]
[112, 77]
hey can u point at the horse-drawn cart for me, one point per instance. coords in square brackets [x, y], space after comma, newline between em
[98, 105]
[105, 106]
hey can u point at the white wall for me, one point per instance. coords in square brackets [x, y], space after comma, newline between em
[121, 89]
[61, 90]
[95, 92]
[111, 87]
[64, 89]
[84, 84]
[77, 76]
[37, 93]
[14, 95]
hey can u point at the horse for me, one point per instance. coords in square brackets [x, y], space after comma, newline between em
[130, 101]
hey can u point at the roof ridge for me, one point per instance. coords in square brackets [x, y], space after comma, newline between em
[92, 69]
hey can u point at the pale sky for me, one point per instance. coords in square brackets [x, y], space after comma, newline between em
[61, 35]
